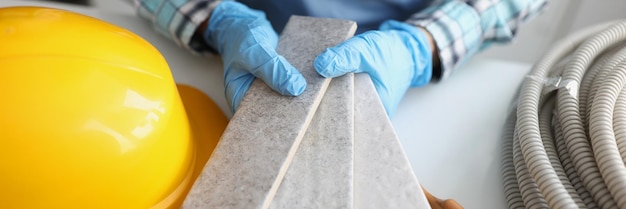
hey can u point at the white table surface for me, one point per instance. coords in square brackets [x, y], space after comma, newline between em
[450, 130]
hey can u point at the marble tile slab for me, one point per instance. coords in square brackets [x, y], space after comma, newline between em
[320, 175]
[261, 139]
[383, 177]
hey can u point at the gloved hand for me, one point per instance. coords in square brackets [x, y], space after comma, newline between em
[396, 57]
[247, 43]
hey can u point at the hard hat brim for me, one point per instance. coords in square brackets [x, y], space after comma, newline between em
[207, 123]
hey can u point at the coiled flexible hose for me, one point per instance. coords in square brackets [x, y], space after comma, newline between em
[565, 140]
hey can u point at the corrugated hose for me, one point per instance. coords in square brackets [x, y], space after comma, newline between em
[565, 139]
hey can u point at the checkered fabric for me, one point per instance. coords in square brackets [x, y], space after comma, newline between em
[178, 20]
[461, 28]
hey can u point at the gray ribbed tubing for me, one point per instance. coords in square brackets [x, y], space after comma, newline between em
[565, 139]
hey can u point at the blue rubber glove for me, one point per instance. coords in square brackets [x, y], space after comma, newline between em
[397, 56]
[247, 44]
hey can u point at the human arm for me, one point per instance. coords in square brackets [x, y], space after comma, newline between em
[394, 55]
[242, 36]
[461, 28]
[180, 21]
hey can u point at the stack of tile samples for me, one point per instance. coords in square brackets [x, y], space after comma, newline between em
[331, 147]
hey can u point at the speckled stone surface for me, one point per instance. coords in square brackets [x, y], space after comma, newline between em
[256, 149]
[383, 177]
[320, 175]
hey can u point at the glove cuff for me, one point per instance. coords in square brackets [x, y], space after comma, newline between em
[419, 47]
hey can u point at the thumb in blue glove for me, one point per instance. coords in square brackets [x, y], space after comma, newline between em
[396, 57]
[247, 43]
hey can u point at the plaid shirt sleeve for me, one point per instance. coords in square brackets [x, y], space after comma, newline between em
[461, 28]
[178, 20]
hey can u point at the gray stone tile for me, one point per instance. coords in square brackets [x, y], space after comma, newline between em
[320, 175]
[383, 177]
[261, 139]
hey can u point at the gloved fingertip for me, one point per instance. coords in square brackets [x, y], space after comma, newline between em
[389, 111]
[234, 107]
[324, 63]
[236, 85]
[297, 87]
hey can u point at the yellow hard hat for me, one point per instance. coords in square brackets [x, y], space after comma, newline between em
[90, 116]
